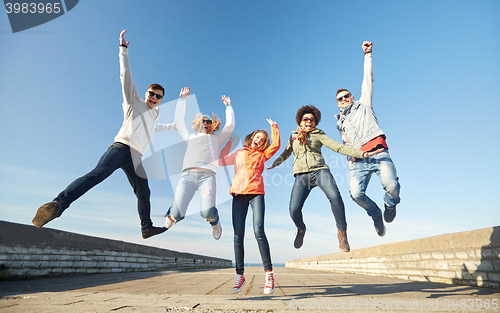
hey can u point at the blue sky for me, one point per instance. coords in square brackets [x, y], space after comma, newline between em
[435, 76]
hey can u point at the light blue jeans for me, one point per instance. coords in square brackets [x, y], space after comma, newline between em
[361, 171]
[190, 181]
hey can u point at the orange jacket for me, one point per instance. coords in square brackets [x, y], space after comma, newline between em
[249, 165]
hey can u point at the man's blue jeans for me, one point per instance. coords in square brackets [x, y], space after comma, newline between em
[240, 209]
[361, 171]
[303, 185]
[190, 181]
[117, 156]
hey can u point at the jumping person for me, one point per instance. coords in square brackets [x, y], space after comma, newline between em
[310, 170]
[359, 128]
[247, 189]
[200, 163]
[133, 139]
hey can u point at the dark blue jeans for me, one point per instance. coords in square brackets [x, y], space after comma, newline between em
[240, 209]
[303, 185]
[117, 156]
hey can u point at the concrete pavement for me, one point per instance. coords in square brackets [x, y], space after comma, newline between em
[210, 291]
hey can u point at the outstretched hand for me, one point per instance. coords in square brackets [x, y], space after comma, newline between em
[367, 46]
[122, 40]
[185, 92]
[270, 167]
[270, 121]
[226, 100]
[369, 154]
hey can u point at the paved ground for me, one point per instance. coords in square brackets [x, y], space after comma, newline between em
[210, 291]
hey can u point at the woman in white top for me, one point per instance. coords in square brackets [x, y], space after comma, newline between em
[200, 163]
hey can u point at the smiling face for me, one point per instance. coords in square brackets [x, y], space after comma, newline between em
[153, 97]
[344, 99]
[205, 125]
[258, 141]
[308, 121]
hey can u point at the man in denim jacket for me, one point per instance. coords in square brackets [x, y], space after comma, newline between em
[359, 128]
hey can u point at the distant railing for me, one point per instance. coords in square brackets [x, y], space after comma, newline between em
[466, 258]
[28, 252]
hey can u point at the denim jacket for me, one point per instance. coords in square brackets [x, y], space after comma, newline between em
[358, 124]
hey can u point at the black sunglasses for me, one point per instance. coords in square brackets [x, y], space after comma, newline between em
[153, 94]
[207, 121]
[312, 119]
[346, 96]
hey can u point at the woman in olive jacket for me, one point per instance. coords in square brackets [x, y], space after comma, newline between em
[310, 170]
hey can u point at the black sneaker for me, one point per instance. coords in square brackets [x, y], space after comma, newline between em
[389, 213]
[379, 225]
[151, 231]
[299, 238]
[46, 213]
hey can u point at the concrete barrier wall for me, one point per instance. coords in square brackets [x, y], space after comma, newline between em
[28, 252]
[465, 258]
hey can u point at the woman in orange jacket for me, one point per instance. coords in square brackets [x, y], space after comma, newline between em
[247, 189]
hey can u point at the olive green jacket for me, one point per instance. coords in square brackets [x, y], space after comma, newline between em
[308, 157]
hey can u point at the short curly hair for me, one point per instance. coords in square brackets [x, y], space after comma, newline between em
[308, 109]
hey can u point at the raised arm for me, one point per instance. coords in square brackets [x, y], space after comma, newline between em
[128, 86]
[284, 155]
[367, 85]
[180, 112]
[275, 138]
[228, 128]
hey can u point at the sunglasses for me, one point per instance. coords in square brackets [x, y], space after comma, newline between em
[346, 96]
[207, 121]
[153, 94]
[311, 119]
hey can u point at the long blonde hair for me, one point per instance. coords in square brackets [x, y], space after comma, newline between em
[213, 127]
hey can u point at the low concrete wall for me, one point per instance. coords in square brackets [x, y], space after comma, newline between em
[465, 258]
[28, 252]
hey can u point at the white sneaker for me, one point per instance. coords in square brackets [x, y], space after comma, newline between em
[238, 284]
[217, 230]
[269, 286]
[168, 222]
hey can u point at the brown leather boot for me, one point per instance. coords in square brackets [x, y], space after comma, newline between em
[46, 213]
[343, 243]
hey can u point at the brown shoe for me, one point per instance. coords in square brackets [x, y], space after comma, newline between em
[46, 213]
[299, 238]
[343, 243]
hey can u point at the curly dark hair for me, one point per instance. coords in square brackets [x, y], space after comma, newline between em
[308, 109]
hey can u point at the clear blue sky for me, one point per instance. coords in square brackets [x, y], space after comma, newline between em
[436, 76]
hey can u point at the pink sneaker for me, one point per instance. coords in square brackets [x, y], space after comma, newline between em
[269, 286]
[240, 281]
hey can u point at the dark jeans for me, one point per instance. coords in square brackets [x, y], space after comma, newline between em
[303, 185]
[117, 156]
[240, 209]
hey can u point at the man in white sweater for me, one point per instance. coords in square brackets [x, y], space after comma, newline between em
[139, 124]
